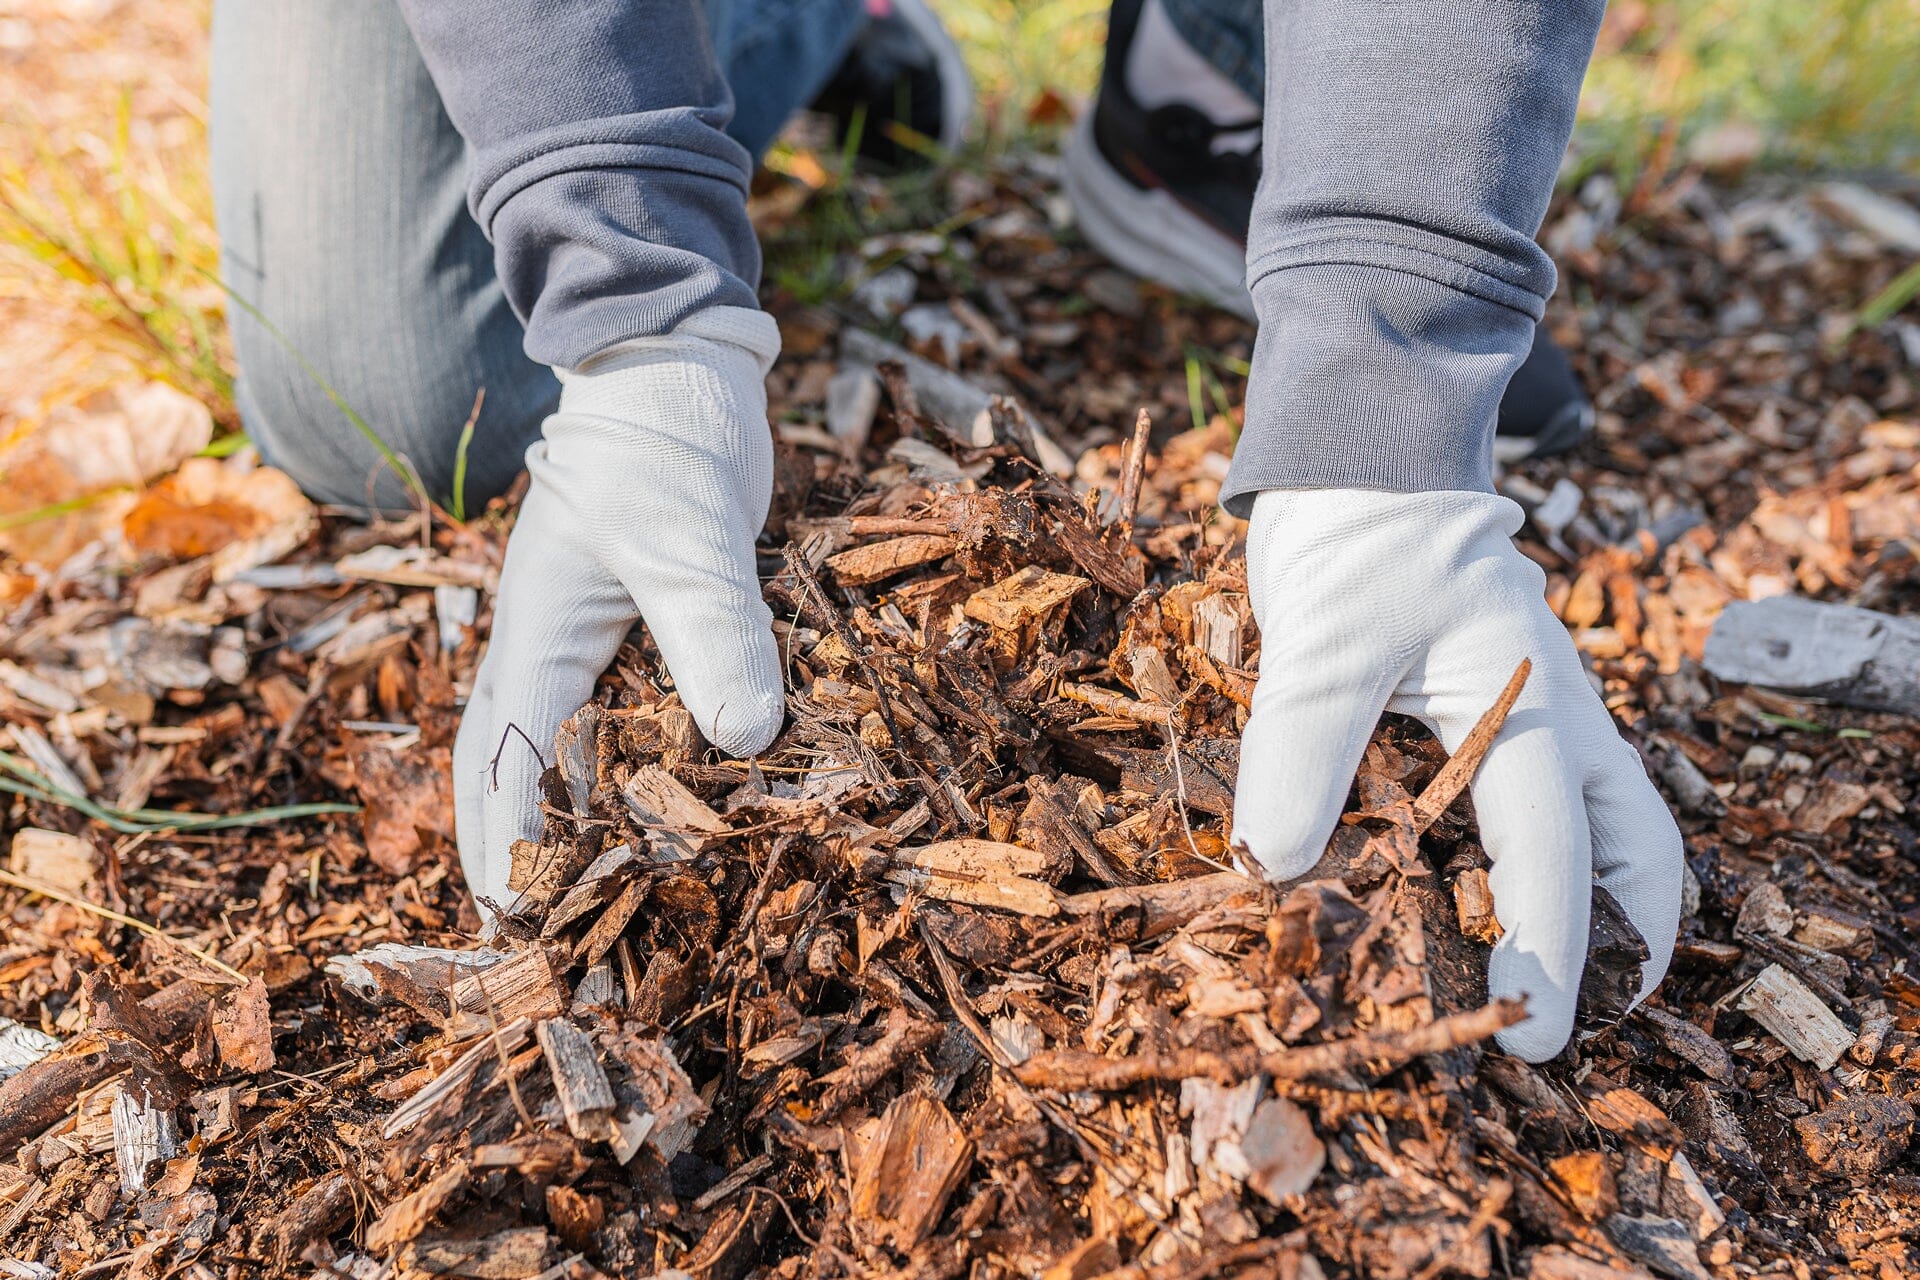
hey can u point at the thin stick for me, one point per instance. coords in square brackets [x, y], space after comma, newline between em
[60, 895]
[1132, 469]
[1069, 1070]
[1459, 769]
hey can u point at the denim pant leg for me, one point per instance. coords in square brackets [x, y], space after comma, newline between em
[340, 193]
[1228, 34]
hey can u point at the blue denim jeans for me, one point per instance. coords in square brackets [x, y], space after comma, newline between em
[340, 193]
[1228, 34]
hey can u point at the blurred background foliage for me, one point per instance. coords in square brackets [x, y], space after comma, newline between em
[106, 239]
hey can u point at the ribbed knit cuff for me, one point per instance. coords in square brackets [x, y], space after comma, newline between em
[1376, 377]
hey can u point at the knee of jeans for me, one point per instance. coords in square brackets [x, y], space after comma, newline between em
[366, 423]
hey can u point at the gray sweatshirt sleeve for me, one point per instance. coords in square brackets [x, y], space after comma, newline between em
[599, 166]
[1409, 151]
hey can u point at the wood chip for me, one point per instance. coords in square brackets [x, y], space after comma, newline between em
[1796, 1017]
[909, 1169]
[878, 561]
[578, 1080]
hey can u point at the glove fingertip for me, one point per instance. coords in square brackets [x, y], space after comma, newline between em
[747, 725]
[1534, 1040]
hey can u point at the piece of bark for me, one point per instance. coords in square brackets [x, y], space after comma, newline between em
[1691, 789]
[315, 1214]
[1555, 1262]
[1627, 1113]
[1584, 1180]
[961, 410]
[243, 1028]
[1070, 1070]
[1109, 703]
[1835, 652]
[1764, 912]
[523, 986]
[1685, 1196]
[877, 561]
[603, 879]
[1827, 929]
[21, 1046]
[1690, 1044]
[53, 858]
[1205, 784]
[37, 1096]
[407, 1217]
[1219, 621]
[1857, 1136]
[369, 973]
[520, 1253]
[144, 1134]
[1031, 596]
[1090, 1258]
[1282, 1152]
[670, 812]
[488, 1048]
[670, 1106]
[1005, 893]
[908, 1170]
[575, 1215]
[1158, 908]
[1781, 1003]
[1663, 1244]
[1473, 901]
[1615, 953]
[597, 941]
[586, 1099]
[1460, 767]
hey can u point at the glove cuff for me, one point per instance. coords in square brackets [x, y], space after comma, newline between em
[714, 335]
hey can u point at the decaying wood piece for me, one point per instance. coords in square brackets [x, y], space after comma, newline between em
[371, 973]
[876, 561]
[144, 1134]
[908, 1170]
[523, 986]
[38, 1095]
[1834, 652]
[53, 858]
[578, 1080]
[669, 811]
[1473, 900]
[488, 1048]
[1796, 1017]
[316, 1213]
[520, 1253]
[960, 409]
[407, 1217]
[1857, 1136]
[984, 873]
[1160, 908]
[21, 1046]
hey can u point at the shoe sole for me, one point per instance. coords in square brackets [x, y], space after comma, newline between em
[1568, 429]
[1152, 235]
[956, 83]
[1148, 232]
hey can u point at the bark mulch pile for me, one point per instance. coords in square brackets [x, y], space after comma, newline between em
[959, 978]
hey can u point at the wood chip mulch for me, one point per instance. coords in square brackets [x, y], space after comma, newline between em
[959, 978]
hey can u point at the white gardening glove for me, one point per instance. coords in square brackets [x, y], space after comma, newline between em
[650, 484]
[1419, 603]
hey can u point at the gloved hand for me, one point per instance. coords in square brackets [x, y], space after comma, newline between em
[650, 484]
[1419, 603]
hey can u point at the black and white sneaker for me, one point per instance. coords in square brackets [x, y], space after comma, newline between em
[906, 82]
[1167, 194]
